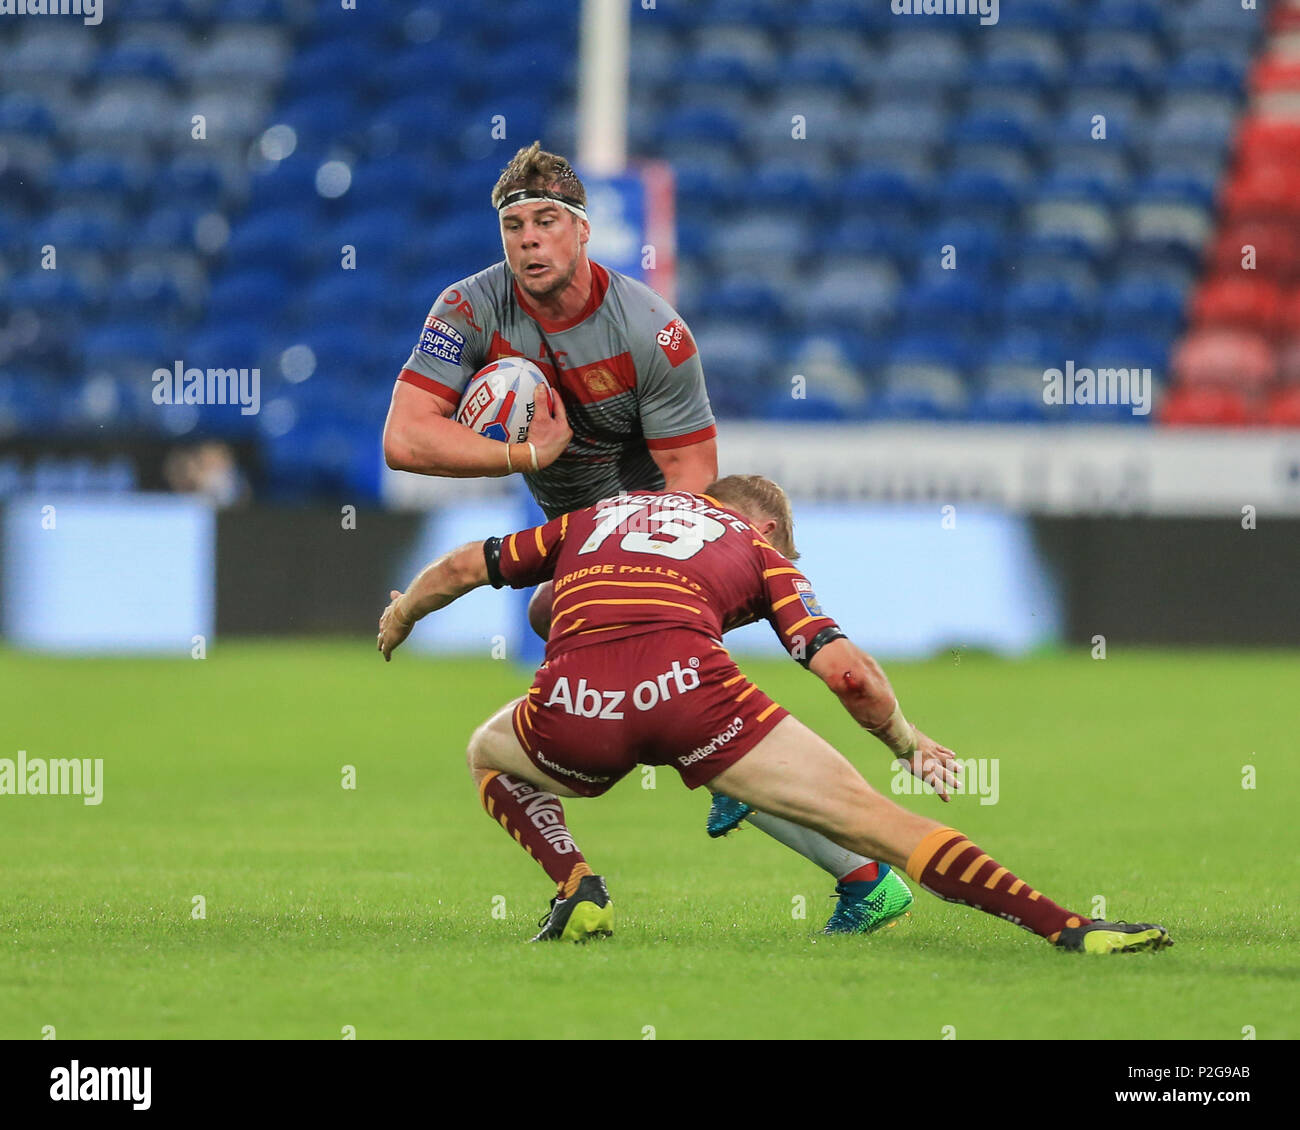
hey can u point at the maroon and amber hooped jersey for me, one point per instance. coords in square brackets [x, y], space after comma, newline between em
[626, 366]
[642, 563]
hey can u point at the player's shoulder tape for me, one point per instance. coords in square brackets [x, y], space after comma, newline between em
[819, 641]
[492, 558]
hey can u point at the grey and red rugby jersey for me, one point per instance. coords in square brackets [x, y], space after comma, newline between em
[626, 366]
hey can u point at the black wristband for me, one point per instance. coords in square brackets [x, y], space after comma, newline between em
[492, 557]
[820, 640]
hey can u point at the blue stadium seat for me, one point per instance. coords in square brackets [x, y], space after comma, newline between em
[1146, 301]
[168, 228]
[394, 181]
[839, 345]
[193, 178]
[133, 60]
[1177, 187]
[101, 174]
[318, 117]
[700, 124]
[886, 193]
[1191, 126]
[334, 64]
[1060, 17]
[979, 195]
[753, 239]
[248, 295]
[1132, 350]
[100, 227]
[130, 341]
[979, 248]
[862, 296]
[936, 395]
[1007, 403]
[863, 234]
[1129, 15]
[242, 53]
[43, 289]
[947, 300]
[291, 182]
[358, 297]
[738, 297]
[1047, 303]
[922, 59]
[278, 236]
[998, 126]
[1085, 183]
[1206, 70]
[1214, 22]
[225, 343]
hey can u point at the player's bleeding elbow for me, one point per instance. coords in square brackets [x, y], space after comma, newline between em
[864, 690]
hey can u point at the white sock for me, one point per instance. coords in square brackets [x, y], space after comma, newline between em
[830, 857]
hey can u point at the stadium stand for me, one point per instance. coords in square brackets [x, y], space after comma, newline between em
[826, 154]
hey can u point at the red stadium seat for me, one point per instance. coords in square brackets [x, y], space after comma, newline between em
[1232, 359]
[1277, 74]
[1288, 360]
[1284, 408]
[1204, 407]
[1241, 302]
[1269, 140]
[1289, 317]
[1265, 191]
[1276, 244]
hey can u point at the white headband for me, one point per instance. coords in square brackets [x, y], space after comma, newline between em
[536, 196]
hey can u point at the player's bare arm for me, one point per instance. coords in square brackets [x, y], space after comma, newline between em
[862, 687]
[420, 435]
[690, 468]
[447, 579]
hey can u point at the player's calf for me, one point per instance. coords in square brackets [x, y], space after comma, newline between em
[524, 801]
[794, 773]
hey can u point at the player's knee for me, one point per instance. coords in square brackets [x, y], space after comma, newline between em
[476, 752]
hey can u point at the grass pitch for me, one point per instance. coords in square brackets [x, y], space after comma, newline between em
[399, 909]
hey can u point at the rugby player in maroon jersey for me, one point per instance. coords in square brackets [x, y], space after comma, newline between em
[633, 415]
[636, 673]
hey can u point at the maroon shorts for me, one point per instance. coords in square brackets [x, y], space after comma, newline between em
[665, 698]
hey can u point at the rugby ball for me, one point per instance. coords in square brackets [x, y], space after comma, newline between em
[498, 401]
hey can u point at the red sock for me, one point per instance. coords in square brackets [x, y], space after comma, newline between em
[947, 864]
[867, 873]
[536, 820]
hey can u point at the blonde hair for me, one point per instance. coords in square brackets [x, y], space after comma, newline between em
[532, 167]
[757, 498]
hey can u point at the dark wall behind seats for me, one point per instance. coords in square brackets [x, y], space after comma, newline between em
[299, 572]
[1176, 580]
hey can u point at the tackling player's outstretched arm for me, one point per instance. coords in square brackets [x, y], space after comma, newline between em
[438, 584]
[421, 436]
[520, 560]
[862, 687]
